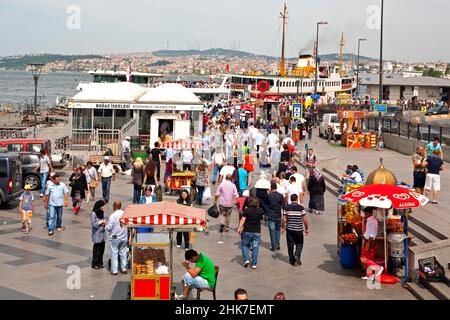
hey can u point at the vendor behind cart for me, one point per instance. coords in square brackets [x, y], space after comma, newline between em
[202, 276]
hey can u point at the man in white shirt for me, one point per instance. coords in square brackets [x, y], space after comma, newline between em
[259, 139]
[299, 178]
[356, 176]
[106, 173]
[218, 159]
[118, 238]
[187, 158]
[288, 141]
[126, 152]
[226, 170]
[294, 188]
[272, 141]
[229, 142]
[169, 154]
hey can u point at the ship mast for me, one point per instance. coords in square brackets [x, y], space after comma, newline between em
[283, 15]
[341, 46]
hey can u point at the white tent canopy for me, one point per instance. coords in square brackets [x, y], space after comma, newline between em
[170, 93]
[110, 92]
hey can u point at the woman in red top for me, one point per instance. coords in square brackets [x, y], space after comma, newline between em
[249, 160]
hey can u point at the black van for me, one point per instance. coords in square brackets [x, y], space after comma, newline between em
[10, 178]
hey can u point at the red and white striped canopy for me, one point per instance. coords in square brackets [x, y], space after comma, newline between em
[182, 144]
[162, 219]
[164, 213]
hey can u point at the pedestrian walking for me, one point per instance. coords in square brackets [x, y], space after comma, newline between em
[148, 197]
[106, 174]
[118, 240]
[79, 187]
[126, 152]
[92, 180]
[185, 201]
[316, 189]
[44, 167]
[56, 196]
[259, 139]
[150, 178]
[137, 179]
[250, 231]
[187, 158]
[272, 142]
[226, 194]
[201, 181]
[249, 164]
[156, 157]
[419, 174]
[98, 223]
[434, 165]
[26, 208]
[294, 224]
[274, 216]
[243, 179]
[287, 123]
[218, 161]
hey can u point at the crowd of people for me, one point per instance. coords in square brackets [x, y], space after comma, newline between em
[251, 166]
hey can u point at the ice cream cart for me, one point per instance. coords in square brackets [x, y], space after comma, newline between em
[152, 253]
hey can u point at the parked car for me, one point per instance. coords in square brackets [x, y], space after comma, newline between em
[333, 120]
[11, 186]
[29, 162]
[436, 110]
[29, 145]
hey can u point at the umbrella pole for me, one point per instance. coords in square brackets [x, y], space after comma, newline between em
[171, 256]
[385, 242]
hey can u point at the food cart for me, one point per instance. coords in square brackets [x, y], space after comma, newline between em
[152, 253]
[180, 179]
[393, 203]
[351, 128]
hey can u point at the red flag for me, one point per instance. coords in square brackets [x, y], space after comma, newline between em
[228, 68]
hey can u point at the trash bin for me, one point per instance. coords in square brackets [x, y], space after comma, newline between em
[348, 256]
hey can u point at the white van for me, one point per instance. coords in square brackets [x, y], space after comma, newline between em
[333, 120]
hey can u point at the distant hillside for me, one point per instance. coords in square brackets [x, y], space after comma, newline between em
[22, 61]
[209, 52]
[345, 57]
[243, 54]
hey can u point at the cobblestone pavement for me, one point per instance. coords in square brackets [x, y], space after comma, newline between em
[37, 266]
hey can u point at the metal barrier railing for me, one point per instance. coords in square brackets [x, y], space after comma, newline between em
[410, 130]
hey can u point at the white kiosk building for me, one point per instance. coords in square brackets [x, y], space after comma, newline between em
[103, 113]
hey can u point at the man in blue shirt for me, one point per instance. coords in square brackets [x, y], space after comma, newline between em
[435, 145]
[56, 196]
[243, 179]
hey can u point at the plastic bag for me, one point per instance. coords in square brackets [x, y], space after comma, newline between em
[213, 211]
[207, 194]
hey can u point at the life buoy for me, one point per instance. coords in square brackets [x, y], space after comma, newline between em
[263, 86]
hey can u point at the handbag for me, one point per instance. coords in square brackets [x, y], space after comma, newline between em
[213, 212]
[93, 184]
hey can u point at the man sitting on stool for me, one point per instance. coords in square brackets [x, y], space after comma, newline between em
[203, 275]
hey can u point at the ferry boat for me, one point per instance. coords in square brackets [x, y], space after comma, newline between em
[300, 80]
[214, 91]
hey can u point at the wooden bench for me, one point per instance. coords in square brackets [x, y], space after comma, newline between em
[213, 290]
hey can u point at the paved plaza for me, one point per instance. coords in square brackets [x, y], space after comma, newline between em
[36, 266]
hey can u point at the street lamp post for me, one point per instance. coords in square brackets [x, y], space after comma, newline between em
[380, 88]
[357, 68]
[317, 52]
[36, 69]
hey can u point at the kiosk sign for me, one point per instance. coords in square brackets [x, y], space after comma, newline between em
[297, 109]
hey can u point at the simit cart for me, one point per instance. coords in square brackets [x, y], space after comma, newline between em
[152, 255]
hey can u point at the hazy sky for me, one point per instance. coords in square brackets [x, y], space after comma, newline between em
[415, 30]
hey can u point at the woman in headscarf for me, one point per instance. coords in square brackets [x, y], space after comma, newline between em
[98, 223]
[316, 189]
[186, 201]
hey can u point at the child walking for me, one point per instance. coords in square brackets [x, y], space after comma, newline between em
[26, 208]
